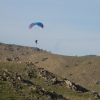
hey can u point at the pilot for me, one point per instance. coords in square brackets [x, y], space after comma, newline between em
[36, 41]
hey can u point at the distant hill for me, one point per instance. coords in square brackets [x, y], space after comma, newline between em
[24, 66]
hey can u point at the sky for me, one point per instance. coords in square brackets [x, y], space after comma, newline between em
[71, 27]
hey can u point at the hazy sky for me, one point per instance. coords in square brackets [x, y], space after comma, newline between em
[71, 27]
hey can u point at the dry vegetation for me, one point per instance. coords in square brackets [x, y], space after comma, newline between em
[21, 59]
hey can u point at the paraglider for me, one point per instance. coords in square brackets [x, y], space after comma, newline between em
[36, 23]
[36, 41]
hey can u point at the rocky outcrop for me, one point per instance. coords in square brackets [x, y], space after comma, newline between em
[50, 95]
[16, 80]
[73, 86]
[52, 79]
[49, 77]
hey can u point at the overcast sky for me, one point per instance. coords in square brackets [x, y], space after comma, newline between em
[71, 27]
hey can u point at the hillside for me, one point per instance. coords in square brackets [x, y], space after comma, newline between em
[54, 77]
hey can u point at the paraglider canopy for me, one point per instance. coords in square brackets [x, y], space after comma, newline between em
[36, 23]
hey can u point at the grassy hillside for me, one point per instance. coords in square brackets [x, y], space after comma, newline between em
[16, 83]
[25, 61]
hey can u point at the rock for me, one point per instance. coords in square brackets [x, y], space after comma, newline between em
[95, 95]
[43, 59]
[97, 82]
[74, 86]
[15, 58]
[8, 59]
[49, 77]
[29, 63]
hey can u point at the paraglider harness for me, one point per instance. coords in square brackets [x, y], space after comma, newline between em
[36, 41]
